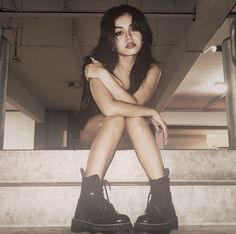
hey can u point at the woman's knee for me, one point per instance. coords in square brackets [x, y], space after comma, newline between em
[135, 123]
[116, 122]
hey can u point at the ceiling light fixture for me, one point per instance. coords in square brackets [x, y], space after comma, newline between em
[15, 57]
[73, 84]
[65, 7]
[220, 86]
[214, 49]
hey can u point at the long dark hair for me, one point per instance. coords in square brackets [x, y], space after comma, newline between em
[105, 51]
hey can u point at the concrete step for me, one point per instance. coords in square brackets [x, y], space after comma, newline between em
[55, 206]
[64, 166]
[41, 188]
[213, 229]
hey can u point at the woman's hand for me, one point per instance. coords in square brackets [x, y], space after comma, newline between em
[94, 70]
[160, 125]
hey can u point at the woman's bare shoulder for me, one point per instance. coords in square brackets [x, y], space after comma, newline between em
[155, 68]
[154, 72]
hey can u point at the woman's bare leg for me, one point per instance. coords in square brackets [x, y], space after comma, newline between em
[145, 146]
[90, 131]
[104, 145]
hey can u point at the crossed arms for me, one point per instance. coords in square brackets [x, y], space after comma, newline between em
[113, 100]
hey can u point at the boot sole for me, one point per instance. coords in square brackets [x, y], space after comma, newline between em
[78, 226]
[148, 227]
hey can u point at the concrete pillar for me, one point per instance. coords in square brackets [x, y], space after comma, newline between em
[52, 134]
[4, 58]
[230, 80]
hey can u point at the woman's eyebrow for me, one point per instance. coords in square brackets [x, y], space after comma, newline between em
[123, 27]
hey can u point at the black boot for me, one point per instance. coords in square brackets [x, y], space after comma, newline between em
[96, 214]
[160, 214]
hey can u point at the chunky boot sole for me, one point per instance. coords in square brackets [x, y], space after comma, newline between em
[79, 226]
[155, 228]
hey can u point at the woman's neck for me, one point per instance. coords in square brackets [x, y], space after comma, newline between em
[126, 63]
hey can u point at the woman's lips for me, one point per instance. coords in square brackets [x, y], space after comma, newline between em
[130, 45]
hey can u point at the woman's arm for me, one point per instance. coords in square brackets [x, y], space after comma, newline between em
[111, 107]
[115, 86]
[141, 96]
[148, 87]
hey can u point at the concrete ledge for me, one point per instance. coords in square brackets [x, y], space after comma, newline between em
[122, 183]
[184, 229]
[55, 206]
[64, 166]
[41, 188]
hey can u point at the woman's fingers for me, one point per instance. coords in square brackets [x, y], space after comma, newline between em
[156, 125]
[86, 72]
[90, 71]
[166, 137]
[159, 124]
[94, 60]
[93, 69]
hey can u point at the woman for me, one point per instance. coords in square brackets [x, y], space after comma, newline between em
[121, 77]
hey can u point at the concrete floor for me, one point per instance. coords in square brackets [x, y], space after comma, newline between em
[66, 230]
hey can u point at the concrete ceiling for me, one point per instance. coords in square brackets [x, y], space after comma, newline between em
[203, 87]
[48, 40]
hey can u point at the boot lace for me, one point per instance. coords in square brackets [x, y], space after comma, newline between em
[158, 196]
[149, 200]
[154, 199]
[100, 201]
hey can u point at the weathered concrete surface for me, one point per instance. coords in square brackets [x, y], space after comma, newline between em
[55, 206]
[64, 166]
[51, 196]
[66, 230]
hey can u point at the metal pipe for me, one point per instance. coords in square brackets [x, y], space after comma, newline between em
[34, 13]
[230, 80]
[4, 59]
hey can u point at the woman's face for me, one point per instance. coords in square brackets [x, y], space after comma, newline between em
[128, 39]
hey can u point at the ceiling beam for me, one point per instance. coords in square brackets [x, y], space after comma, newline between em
[213, 102]
[21, 98]
[76, 14]
[209, 17]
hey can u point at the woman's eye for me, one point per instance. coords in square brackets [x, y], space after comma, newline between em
[119, 33]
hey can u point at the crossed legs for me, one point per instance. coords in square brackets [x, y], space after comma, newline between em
[104, 145]
[145, 147]
[159, 214]
[105, 134]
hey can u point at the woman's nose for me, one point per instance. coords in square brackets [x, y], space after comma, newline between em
[128, 36]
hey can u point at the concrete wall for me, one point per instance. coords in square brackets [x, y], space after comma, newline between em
[19, 131]
[198, 139]
[187, 142]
